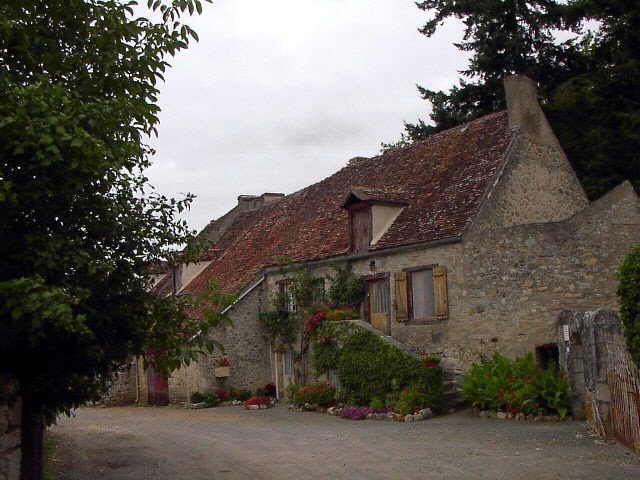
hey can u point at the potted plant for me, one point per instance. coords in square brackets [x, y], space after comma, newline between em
[431, 360]
[222, 370]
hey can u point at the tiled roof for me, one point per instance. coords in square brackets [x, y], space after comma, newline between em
[442, 180]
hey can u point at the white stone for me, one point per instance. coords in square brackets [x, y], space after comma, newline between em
[408, 418]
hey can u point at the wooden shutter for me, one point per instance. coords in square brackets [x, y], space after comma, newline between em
[440, 292]
[402, 313]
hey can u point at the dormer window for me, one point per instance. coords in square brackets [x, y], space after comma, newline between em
[371, 214]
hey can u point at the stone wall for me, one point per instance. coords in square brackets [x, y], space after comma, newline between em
[122, 389]
[506, 285]
[537, 185]
[245, 346]
[10, 420]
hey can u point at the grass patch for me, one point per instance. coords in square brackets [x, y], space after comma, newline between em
[50, 447]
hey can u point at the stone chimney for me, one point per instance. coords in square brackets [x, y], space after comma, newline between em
[249, 202]
[524, 110]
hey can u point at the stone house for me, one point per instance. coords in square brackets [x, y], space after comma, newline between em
[470, 242]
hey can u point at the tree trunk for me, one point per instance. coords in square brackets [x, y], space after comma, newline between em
[32, 451]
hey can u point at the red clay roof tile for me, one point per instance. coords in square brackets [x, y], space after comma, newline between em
[442, 179]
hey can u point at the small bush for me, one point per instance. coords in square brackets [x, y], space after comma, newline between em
[196, 397]
[239, 394]
[518, 386]
[410, 400]
[258, 400]
[221, 394]
[318, 394]
[211, 400]
[270, 389]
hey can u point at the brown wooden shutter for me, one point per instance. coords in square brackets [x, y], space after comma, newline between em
[440, 292]
[402, 312]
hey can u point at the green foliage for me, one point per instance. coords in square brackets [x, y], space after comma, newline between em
[588, 87]
[376, 403]
[504, 37]
[196, 397]
[81, 227]
[239, 393]
[369, 367]
[629, 294]
[210, 400]
[279, 324]
[409, 400]
[518, 386]
[346, 288]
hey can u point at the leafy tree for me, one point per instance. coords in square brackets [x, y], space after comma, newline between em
[629, 295]
[80, 226]
[588, 89]
[506, 37]
[596, 113]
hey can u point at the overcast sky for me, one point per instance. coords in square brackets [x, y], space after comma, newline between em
[279, 94]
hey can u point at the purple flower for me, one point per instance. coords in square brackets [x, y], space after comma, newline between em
[356, 413]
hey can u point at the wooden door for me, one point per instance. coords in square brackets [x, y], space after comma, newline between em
[378, 299]
[157, 383]
[284, 373]
[157, 387]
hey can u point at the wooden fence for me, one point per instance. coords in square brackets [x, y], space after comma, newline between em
[624, 391]
[625, 408]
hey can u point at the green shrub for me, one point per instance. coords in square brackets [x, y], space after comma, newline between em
[376, 403]
[409, 400]
[629, 294]
[211, 400]
[369, 367]
[196, 397]
[346, 289]
[518, 386]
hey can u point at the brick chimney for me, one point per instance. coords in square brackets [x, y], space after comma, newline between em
[524, 110]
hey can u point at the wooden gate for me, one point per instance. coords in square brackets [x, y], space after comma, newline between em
[624, 389]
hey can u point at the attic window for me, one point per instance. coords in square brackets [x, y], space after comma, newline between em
[371, 214]
[360, 227]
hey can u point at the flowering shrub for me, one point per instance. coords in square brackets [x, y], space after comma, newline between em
[239, 393]
[410, 400]
[518, 386]
[266, 401]
[270, 389]
[313, 318]
[221, 394]
[318, 394]
[356, 413]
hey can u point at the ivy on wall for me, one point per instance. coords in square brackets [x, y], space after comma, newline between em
[370, 368]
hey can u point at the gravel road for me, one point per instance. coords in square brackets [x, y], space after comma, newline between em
[230, 443]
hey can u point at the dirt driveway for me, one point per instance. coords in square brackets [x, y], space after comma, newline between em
[230, 443]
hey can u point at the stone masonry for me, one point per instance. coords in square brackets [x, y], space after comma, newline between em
[10, 420]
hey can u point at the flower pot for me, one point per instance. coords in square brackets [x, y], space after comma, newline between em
[430, 363]
[221, 372]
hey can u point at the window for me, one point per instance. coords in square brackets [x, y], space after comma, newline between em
[332, 376]
[318, 290]
[421, 294]
[290, 301]
[287, 360]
